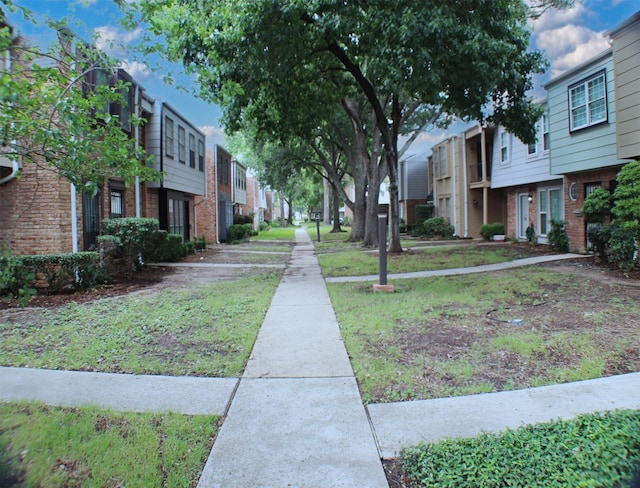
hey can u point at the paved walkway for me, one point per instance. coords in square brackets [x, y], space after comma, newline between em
[296, 418]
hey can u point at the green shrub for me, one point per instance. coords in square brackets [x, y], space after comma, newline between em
[623, 245]
[558, 237]
[237, 233]
[136, 238]
[436, 227]
[599, 237]
[424, 211]
[262, 226]
[347, 221]
[16, 280]
[598, 450]
[80, 270]
[487, 231]
[597, 206]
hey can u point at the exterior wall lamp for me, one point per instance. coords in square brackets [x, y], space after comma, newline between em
[530, 198]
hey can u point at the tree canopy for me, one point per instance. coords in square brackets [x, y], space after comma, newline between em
[283, 64]
[53, 116]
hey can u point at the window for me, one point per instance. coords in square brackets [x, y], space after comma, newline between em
[168, 137]
[550, 201]
[224, 170]
[182, 149]
[200, 155]
[545, 132]
[443, 161]
[587, 102]
[504, 146]
[192, 150]
[117, 204]
[177, 213]
[435, 163]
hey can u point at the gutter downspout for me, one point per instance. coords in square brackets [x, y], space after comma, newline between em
[136, 136]
[15, 165]
[215, 167]
[454, 181]
[465, 207]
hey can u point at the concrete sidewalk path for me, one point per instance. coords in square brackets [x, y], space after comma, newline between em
[405, 424]
[297, 418]
[123, 392]
[516, 263]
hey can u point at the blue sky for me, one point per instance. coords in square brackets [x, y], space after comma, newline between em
[568, 38]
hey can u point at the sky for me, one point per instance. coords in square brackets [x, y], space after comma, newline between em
[568, 38]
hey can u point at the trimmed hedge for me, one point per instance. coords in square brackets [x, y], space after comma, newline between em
[487, 231]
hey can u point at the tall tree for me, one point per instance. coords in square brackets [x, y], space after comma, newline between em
[469, 59]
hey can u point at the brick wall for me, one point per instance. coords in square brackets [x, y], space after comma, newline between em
[574, 222]
[36, 213]
[206, 223]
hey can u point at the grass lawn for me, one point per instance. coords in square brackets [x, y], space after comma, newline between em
[47, 447]
[458, 335]
[205, 331]
[277, 234]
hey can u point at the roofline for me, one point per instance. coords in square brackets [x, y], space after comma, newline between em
[623, 25]
[606, 53]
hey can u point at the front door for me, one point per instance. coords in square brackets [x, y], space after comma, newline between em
[523, 215]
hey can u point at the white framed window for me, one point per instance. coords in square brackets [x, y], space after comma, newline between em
[588, 102]
[443, 161]
[549, 208]
[532, 149]
[504, 146]
[545, 132]
[182, 148]
[169, 140]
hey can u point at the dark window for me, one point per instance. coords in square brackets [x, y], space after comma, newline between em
[117, 204]
[182, 150]
[200, 155]
[192, 150]
[168, 137]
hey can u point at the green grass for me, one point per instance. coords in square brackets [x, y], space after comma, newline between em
[452, 336]
[53, 447]
[277, 234]
[337, 261]
[206, 331]
[594, 450]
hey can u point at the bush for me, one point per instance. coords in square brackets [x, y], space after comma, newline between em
[436, 227]
[262, 226]
[623, 245]
[597, 206]
[136, 238]
[347, 221]
[237, 233]
[487, 231]
[599, 236]
[558, 237]
[424, 211]
[16, 280]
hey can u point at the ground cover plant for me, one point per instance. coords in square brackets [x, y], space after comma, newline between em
[48, 446]
[457, 335]
[206, 330]
[595, 450]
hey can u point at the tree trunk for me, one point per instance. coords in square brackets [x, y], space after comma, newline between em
[394, 210]
[335, 210]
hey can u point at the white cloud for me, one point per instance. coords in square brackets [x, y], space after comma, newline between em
[113, 41]
[215, 135]
[139, 71]
[565, 39]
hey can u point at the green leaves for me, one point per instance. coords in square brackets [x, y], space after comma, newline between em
[51, 116]
[595, 450]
